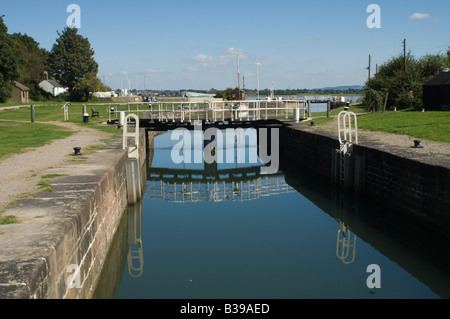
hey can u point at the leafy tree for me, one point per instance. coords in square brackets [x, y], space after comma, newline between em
[404, 86]
[9, 62]
[83, 89]
[226, 94]
[72, 58]
[33, 63]
[447, 60]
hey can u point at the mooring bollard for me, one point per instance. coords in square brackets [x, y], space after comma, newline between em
[86, 118]
[417, 144]
[296, 114]
[77, 151]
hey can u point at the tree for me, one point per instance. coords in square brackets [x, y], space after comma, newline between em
[72, 58]
[33, 63]
[226, 94]
[372, 100]
[9, 62]
[447, 60]
[83, 89]
[404, 87]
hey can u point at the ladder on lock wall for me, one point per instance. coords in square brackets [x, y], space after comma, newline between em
[348, 135]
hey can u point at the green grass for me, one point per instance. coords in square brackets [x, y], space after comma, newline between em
[44, 183]
[432, 125]
[17, 137]
[7, 220]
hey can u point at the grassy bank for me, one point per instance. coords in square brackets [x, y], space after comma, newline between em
[16, 137]
[431, 125]
[17, 133]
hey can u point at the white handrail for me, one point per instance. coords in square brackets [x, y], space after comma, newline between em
[347, 133]
[132, 152]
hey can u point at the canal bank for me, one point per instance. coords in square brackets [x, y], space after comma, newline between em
[57, 248]
[413, 181]
[74, 227]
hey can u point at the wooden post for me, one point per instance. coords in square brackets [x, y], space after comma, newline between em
[385, 102]
[32, 113]
[328, 108]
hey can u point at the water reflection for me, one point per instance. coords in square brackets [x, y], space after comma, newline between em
[135, 258]
[232, 232]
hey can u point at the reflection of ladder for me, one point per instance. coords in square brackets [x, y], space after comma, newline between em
[345, 245]
[136, 254]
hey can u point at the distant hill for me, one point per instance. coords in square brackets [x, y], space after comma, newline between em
[344, 87]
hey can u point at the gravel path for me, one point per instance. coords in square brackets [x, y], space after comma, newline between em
[20, 173]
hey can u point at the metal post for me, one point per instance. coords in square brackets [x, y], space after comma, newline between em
[309, 109]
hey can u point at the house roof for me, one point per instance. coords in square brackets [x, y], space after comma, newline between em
[54, 83]
[20, 86]
[442, 78]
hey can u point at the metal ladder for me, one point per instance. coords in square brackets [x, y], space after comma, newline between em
[348, 135]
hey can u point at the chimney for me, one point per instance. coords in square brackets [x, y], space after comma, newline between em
[45, 76]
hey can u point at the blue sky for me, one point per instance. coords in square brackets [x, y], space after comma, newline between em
[175, 44]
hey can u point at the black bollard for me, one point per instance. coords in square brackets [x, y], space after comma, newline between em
[77, 151]
[86, 118]
[417, 144]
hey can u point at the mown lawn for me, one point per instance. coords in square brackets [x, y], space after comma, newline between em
[16, 137]
[430, 125]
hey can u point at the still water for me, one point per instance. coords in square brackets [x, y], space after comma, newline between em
[230, 232]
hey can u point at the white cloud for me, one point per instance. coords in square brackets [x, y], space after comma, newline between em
[202, 58]
[419, 16]
[229, 56]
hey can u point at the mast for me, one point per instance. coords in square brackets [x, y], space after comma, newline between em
[239, 83]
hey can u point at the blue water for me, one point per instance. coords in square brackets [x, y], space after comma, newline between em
[281, 246]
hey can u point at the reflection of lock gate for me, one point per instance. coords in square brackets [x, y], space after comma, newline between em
[345, 245]
[217, 191]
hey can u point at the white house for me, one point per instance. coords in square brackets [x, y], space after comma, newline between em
[53, 87]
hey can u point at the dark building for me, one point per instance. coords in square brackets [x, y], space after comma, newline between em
[436, 93]
[19, 93]
[237, 95]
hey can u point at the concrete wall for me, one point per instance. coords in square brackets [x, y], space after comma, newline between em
[410, 184]
[66, 234]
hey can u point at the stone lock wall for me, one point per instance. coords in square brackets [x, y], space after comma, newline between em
[409, 184]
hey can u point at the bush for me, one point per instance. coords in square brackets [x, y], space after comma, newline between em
[372, 100]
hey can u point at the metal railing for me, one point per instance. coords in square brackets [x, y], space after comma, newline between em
[248, 110]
